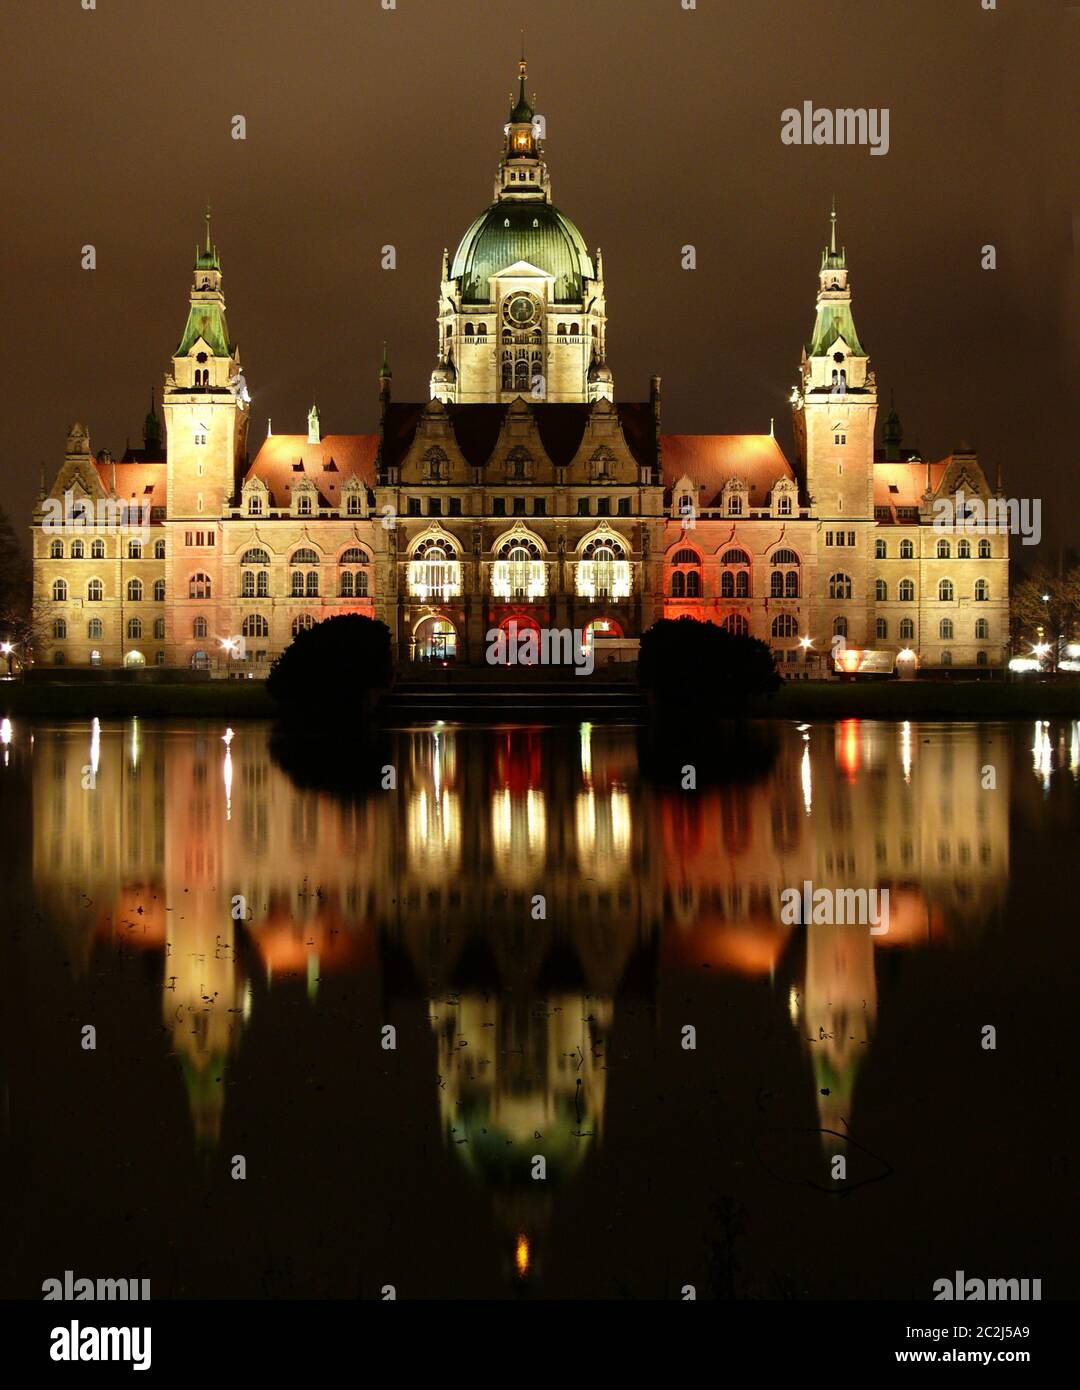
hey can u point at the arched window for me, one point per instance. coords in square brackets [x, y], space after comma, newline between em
[737, 623]
[199, 628]
[839, 627]
[945, 630]
[881, 590]
[735, 557]
[982, 630]
[686, 557]
[982, 590]
[906, 591]
[881, 629]
[945, 591]
[944, 550]
[354, 556]
[95, 591]
[783, 504]
[678, 584]
[963, 550]
[984, 550]
[776, 584]
[304, 556]
[561, 330]
[159, 591]
[468, 334]
[59, 590]
[907, 550]
[159, 549]
[907, 629]
[255, 556]
[56, 550]
[301, 623]
[982, 658]
[693, 584]
[95, 629]
[791, 584]
[785, 626]
[134, 550]
[199, 585]
[134, 628]
[303, 504]
[296, 584]
[312, 587]
[784, 557]
[58, 658]
[134, 591]
[946, 658]
[78, 550]
[254, 504]
[255, 583]
[881, 550]
[97, 550]
[727, 584]
[59, 628]
[839, 585]
[159, 628]
[255, 625]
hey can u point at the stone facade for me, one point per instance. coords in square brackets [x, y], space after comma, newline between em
[521, 491]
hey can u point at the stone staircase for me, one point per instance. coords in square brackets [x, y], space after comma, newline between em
[511, 698]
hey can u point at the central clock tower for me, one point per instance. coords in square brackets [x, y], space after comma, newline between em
[521, 304]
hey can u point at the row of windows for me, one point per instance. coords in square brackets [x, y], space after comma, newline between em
[97, 550]
[255, 506]
[946, 591]
[515, 506]
[946, 629]
[943, 550]
[735, 584]
[95, 628]
[95, 591]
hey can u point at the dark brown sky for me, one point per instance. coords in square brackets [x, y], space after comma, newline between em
[368, 127]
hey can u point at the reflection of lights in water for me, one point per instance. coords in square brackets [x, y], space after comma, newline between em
[134, 744]
[436, 768]
[793, 1004]
[603, 827]
[805, 776]
[1042, 752]
[586, 753]
[227, 738]
[849, 747]
[522, 1256]
[95, 746]
[905, 749]
[246, 1003]
[518, 828]
[1074, 749]
[5, 738]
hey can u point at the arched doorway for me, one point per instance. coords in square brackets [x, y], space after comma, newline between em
[200, 661]
[436, 640]
[515, 626]
[134, 659]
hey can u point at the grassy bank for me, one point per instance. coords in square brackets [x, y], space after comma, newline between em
[205, 699]
[797, 700]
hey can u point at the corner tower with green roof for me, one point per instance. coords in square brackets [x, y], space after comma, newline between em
[521, 305]
[206, 401]
[835, 413]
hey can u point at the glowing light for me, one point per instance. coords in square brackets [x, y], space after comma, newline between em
[586, 753]
[134, 744]
[1043, 752]
[95, 746]
[522, 1256]
[849, 747]
[905, 749]
[905, 654]
[805, 642]
[1024, 663]
[7, 648]
[1041, 648]
[227, 772]
[806, 779]
[5, 732]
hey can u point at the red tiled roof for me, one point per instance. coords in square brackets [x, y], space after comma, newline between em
[903, 484]
[139, 482]
[352, 455]
[710, 460]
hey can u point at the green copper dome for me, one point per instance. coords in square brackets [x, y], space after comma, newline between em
[529, 231]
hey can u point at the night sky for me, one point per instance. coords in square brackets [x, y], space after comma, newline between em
[367, 127]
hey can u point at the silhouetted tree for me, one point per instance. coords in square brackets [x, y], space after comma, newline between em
[334, 668]
[704, 667]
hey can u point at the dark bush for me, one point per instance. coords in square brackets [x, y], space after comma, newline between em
[345, 657]
[700, 665]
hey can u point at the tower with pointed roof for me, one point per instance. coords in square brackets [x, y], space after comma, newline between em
[835, 400]
[521, 305]
[206, 401]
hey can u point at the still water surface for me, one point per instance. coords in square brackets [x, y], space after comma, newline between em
[241, 941]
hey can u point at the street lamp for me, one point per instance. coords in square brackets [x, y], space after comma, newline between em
[8, 649]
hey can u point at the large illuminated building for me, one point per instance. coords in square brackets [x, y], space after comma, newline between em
[520, 491]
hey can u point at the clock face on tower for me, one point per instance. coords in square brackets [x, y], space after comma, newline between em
[522, 310]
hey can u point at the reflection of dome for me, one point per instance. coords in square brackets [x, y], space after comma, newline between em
[535, 232]
[502, 1160]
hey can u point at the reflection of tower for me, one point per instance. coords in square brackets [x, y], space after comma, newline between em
[836, 1015]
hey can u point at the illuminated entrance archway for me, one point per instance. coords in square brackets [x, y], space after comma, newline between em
[134, 659]
[514, 626]
[436, 640]
[603, 627]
